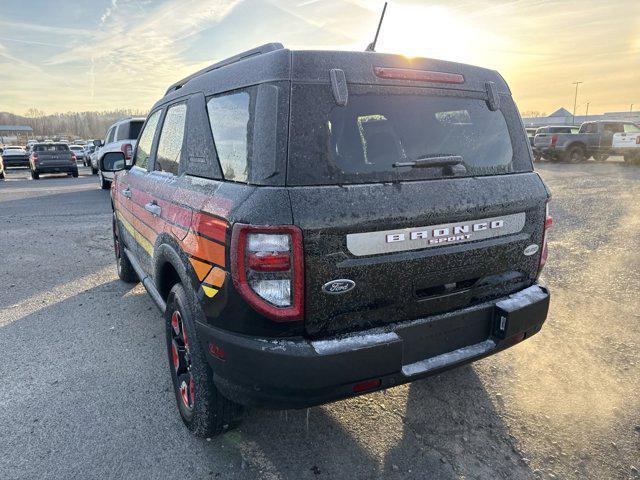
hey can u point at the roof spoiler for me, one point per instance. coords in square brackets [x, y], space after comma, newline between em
[262, 49]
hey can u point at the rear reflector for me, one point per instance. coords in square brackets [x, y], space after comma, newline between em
[216, 351]
[418, 75]
[367, 385]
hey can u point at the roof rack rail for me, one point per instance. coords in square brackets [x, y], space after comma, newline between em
[262, 49]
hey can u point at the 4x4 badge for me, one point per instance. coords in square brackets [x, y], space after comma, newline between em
[335, 287]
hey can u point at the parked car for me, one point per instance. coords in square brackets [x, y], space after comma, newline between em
[121, 137]
[15, 157]
[52, 158]
[594, 139]
[313, 228]
[1, 168]
[89, 148]
[79, 152]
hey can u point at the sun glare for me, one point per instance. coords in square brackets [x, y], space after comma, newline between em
[434, 32]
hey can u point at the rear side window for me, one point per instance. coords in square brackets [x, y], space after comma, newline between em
[129, 130]
[229, 116]
[171, 139]
[381, 127]
[143, 150]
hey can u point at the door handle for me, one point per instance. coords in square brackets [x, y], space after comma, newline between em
[154, 208]
[126, 192]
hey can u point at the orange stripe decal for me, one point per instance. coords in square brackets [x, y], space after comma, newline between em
[216, 277]
[201, 268]
[205, 249]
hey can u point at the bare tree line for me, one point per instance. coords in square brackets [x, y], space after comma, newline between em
[86, 125]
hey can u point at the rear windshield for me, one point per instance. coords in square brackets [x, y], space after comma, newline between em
[382, 126]
[54, 147]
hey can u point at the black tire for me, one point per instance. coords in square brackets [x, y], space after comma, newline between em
[94, 171]
[104, 184]
[1, 175]
[600, 157]
[126, 273]
[74, 174]
[35, 175]
[202, 408]
[576, 154]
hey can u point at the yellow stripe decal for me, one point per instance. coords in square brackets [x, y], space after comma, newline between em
[209, 291]
[144, 243]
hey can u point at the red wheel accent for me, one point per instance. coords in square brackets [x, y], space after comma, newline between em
[184, 395]
[175, 355]
[175, 322]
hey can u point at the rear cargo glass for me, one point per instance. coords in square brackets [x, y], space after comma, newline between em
[54, 147]
[382, 126]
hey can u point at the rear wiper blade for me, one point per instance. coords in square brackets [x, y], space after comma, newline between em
[432, 162]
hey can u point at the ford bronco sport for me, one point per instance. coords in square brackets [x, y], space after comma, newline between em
[315, 225]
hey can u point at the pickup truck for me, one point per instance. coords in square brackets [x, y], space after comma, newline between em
[628, 145]
[52, 158]
[594, 139]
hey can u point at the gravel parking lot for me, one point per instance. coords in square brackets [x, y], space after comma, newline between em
[86, 391]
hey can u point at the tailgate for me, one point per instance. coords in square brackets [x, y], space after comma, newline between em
[55, 158]
[416, 249]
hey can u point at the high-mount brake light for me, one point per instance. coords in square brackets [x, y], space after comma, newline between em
[548, 221]
[418, 75]
[268, 270]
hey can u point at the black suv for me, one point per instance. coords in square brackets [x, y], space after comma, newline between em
[315, 225]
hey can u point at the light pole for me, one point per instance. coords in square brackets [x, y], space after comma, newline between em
[575, 101]
[587, 112]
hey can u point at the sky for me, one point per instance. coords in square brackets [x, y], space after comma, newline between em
[80, 55]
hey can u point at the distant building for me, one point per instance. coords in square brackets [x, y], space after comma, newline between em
[15, 134]
[563, 117]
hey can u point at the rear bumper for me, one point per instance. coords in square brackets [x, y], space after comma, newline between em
[66, 168]
[15, 162]
[298, 373]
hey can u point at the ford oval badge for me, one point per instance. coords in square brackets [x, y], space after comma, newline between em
[531, 250]
[335, 287]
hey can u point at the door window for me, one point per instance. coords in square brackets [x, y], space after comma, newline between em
[110, 135]
[631, 128]
[171, 139]
[146, 140]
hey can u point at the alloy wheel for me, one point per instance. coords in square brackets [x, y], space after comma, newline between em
[181, 361]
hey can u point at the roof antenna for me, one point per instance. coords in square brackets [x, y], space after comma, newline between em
[372, 45]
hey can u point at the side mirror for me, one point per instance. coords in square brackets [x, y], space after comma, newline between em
[97, 143]
[112, 162]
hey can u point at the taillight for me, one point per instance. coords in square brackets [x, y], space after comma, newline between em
[268, 269]
[548, 221]
[34, 156]
[73, 158]
[554, 140]
[127, 149]
[418, 75]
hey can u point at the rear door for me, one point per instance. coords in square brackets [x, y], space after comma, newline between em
[158, 185]
[415, 241]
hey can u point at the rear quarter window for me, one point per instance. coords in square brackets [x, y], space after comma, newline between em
[230, 117]
[383, 126]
